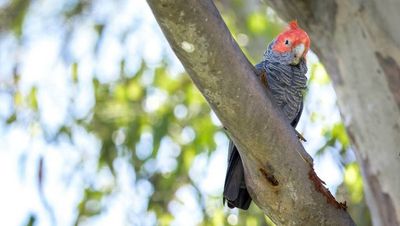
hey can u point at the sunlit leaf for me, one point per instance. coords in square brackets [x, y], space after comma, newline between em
[18, 99]
[319, 75]
[32, 99]
[257, 22]
[134, 91]
[75, 72]
[353, 180]
[339, 132]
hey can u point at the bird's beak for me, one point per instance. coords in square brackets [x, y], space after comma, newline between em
[298, 52]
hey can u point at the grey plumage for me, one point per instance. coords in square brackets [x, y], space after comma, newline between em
[287, 84]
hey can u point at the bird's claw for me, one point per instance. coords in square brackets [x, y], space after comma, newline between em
[300, 136]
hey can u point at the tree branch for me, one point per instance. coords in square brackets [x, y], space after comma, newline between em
[279, 172]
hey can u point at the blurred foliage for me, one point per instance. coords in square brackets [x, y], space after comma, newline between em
[31, 220]
[155, 115]
[12, 16]
[352, 191]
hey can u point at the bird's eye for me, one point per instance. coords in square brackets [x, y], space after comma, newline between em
[287, 42]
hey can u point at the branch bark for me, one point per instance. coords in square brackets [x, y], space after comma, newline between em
[279, 172]
[359, 43]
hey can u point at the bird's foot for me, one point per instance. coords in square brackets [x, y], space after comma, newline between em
[300, 136]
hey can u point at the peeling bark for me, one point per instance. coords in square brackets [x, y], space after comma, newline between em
[359, 43]
[391, 70]
[277, 168]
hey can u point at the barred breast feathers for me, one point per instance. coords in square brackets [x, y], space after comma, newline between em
[286, 82]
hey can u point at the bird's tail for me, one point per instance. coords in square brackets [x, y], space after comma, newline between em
[235, 190]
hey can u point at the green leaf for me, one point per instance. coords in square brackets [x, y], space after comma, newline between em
[75, 72]
[353, 180]
[19, 9]
[12, 118]
[32, 99]
[339, 132]
[257, 23]
[319, 75]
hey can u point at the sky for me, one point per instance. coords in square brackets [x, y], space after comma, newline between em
[43, 65]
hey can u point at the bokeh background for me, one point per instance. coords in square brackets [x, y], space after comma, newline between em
[100, 124]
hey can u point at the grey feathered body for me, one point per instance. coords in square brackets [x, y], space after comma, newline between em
[287, 84]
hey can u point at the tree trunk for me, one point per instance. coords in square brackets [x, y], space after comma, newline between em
[278, 171]
[359, 43]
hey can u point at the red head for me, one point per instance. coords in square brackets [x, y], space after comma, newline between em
[295, 40]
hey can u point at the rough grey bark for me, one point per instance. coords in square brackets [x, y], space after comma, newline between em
[359, 43]
[279, 172]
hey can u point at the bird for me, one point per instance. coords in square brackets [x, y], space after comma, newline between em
[282, 70]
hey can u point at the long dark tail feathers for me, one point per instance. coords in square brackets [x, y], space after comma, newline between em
[235, 191]
[243, 200]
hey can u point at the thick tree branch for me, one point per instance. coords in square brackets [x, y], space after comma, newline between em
[279, 172]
